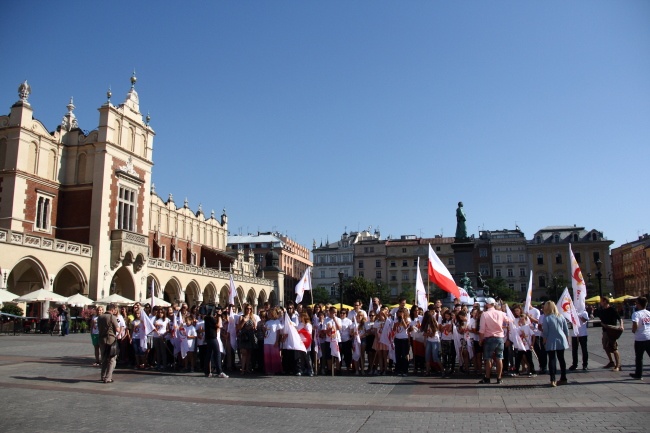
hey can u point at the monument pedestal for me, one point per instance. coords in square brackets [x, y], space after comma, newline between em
[463, 257]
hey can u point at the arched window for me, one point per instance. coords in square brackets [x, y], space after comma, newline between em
[32, 157]
[541, 281]
[51, 165]
[81, 168]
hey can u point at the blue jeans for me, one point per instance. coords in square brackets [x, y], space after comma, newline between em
[493, 346]
[552, 368]
[432, 352]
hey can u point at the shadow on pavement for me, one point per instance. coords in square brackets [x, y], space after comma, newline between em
[52, 379]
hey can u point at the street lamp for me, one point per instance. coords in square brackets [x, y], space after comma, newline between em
[341, 289]
[599, 275]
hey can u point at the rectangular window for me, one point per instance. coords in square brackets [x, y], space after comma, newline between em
[361, 274]
[322, 274]
[405, 276]
[497, 272]
[509, 258]
[378, 275]
[450, 261]
[405, 263]
[522, 272]
[484, 270]
[523, 287]
[596, 256]
[393, 277]
[511, 286]
[437, 248]
[321, 259]
[126, 200]
[510, 272]
[521, 257]
[540, 259]
[163, 252]
[403, 250]
[497, 259]
[482, 252]
[360, 264]
[558, 259]
[43, 213]
[393, 264]
[415, 262]
[377, 263]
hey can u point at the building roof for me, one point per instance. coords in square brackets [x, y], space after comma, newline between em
[254, 239]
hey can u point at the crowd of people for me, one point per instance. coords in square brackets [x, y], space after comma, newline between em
[323, 340]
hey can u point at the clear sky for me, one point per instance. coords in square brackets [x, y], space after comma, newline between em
[312, 117]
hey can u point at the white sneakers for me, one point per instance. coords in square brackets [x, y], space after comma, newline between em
[223, 375]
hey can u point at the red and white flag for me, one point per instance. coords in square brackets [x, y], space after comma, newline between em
[293, 342]
[464, 296]
[231, 291]
[420, 293]
[569, 311]
[529, 295]
[439, 274]
[578, 284]
[303, 284]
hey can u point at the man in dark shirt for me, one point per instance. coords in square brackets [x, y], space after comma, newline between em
[610, 320]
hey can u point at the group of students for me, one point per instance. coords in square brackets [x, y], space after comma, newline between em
[322, 340]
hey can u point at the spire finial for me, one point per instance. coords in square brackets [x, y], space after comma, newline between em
[109, 94]
[147, 119]
[133, 79]
[153, 188]
[24, 90]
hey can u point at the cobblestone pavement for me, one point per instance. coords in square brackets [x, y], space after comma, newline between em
[49, 385]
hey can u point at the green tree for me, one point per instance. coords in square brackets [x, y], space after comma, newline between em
[321, 296]
[555, 286]
[12, 309]
[499, 289]
[408, 292]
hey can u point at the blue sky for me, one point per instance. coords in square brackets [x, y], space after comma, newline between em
[312, 117]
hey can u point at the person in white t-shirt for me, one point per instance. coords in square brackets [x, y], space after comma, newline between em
[580, 340]
[401, 340]
[641, 329]
[94, 334]
[272, 328]
[346, 339]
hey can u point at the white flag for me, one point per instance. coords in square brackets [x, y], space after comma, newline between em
[569, 311]
[529, 295]
[153, 295]
[578, 284]
[303, 284]
[231, 291]
[464, 296]
[420, 293]
[294, 342]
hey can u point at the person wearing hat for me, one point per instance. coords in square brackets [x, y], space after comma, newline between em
[491, 338]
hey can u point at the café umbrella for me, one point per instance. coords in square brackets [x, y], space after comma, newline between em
[42, 295]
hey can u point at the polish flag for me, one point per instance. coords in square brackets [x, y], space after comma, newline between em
[578, 284]
[439, 274]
